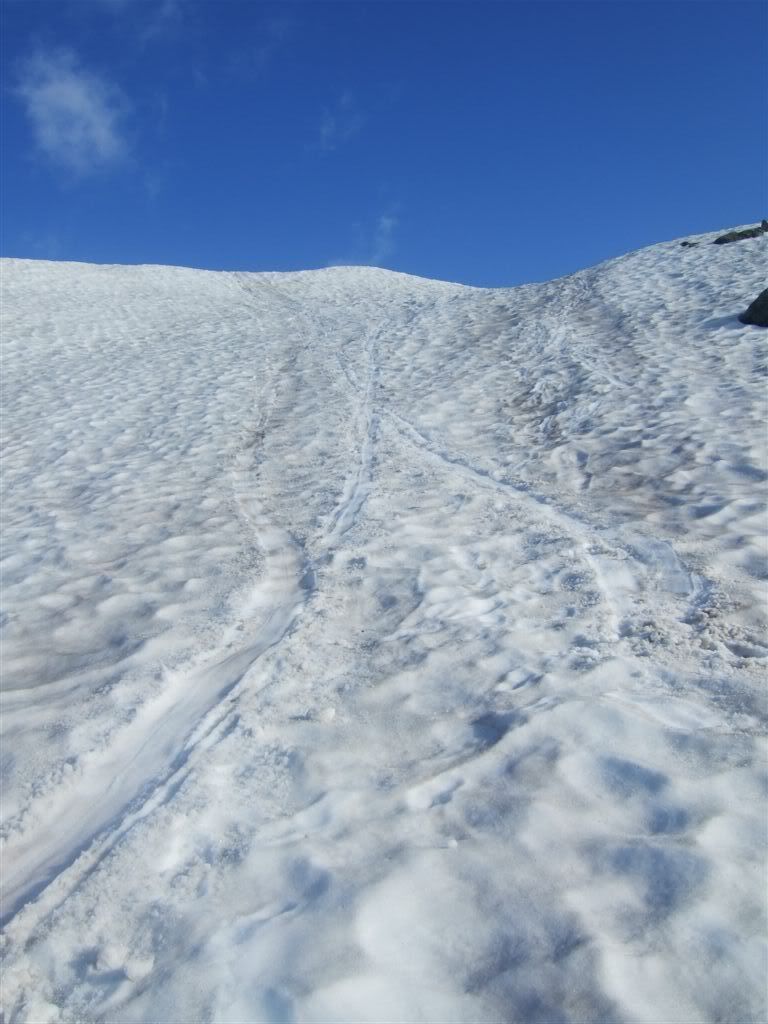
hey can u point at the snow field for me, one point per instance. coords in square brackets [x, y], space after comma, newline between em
[382, 649]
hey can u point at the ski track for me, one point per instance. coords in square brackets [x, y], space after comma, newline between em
[128, 783]
[458, 685]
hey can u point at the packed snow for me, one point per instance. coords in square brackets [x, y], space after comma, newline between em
[381, 649]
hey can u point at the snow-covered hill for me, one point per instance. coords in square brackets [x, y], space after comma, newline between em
[380, 649]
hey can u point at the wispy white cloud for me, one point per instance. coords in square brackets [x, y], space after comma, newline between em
[375, 244]
[274, 34]
[76, 115]
[383, 242]
[340, 122]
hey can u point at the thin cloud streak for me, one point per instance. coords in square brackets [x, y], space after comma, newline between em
[374, 250]
[383, 239]
[75, 115]
[275, 33]
[340, 122]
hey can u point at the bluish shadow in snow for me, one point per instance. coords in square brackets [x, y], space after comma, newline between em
[625, 778]
[667, 877]
[716, 322]
[490, 728]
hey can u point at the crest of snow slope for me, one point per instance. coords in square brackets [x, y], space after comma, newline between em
[382, 649]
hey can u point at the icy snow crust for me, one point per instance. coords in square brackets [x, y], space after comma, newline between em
[380, 649]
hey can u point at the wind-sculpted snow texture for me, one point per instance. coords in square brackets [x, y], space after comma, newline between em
[379, 649]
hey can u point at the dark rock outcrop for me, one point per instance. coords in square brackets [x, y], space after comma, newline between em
[757, 312]
[737, 236]
[689, 245]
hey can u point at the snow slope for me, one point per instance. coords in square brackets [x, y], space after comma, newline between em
[381, 649]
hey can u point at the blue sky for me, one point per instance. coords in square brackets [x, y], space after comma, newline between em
[488, 143]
